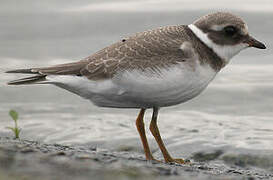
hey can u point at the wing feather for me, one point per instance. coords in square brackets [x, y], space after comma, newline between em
[154, 49]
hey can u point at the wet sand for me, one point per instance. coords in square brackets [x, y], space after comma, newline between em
[25, 159]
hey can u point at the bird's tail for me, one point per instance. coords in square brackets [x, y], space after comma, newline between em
[41, 73]
[29, 80]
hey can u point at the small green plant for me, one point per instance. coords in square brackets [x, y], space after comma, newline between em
[16, 130]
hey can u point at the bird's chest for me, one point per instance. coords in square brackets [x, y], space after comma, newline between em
[171, 86]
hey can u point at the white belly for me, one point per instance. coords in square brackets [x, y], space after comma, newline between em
[137, 89]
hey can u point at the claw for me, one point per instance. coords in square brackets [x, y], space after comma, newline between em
[178, 161]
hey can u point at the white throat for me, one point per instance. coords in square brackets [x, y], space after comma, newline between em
[226, 52]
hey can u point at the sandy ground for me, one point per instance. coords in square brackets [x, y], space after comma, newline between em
[24, 159]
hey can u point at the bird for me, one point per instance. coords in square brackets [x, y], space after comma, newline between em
[153, 69]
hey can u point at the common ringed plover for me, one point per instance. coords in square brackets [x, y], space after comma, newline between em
[152, 69]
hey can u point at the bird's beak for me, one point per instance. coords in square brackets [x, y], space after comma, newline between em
[254, 43]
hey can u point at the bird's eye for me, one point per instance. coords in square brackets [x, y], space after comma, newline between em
[230, 30]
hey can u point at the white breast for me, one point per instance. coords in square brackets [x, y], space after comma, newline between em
[137, 89]
[172, 86]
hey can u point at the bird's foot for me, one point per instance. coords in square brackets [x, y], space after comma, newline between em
[169, 160]
[155, 160]
[178, 161]
[152, 159]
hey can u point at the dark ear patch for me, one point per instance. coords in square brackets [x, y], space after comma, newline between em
[228, 36]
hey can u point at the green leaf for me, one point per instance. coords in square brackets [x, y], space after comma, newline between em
[13, 114]
[11, 128]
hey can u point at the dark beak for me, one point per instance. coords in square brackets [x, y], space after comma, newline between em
[254, 43]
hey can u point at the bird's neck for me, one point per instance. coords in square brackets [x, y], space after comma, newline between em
[206, 54]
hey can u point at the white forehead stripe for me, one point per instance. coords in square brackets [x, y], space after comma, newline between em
[226, 52]
[221, 27]
[218, 27]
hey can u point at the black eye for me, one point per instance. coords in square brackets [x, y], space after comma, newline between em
[230, 30]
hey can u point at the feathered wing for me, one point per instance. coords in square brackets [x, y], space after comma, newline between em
[28, 80]
[147, 50]
[41, 73]
[151, 50]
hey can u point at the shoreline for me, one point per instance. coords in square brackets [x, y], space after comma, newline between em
[31, 160]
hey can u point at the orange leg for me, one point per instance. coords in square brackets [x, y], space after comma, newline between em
[141, 130]
[155, 131]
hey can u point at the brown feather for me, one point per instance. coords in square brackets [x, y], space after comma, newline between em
[153, 50]
[28, 80]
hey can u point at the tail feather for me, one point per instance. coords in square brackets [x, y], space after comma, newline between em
[41, 73]
[23, 71]
[61, 69]
[28, 80]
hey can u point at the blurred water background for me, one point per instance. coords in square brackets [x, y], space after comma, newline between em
[233, 115]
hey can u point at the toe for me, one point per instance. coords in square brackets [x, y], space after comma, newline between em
[179, 161]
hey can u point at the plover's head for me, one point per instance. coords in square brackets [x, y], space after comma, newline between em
[225, 33]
